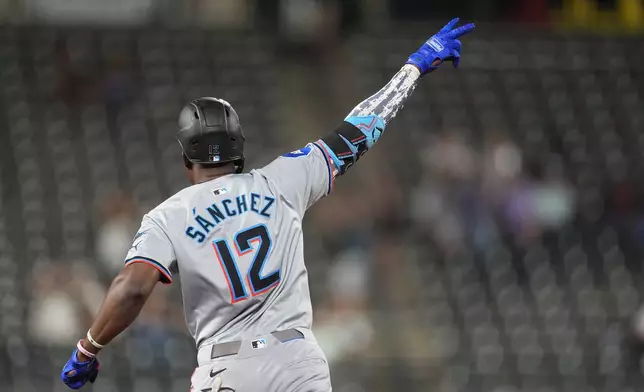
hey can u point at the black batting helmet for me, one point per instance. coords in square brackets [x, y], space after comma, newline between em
[210, 133]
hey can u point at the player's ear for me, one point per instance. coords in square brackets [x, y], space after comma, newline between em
[186, 162]
[190, 173]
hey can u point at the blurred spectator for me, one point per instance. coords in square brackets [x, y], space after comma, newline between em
[345, 221]
[313, 24]
[75, 83]
[385, 191]
[539, 201]
[300, 20]
[159, 321]
[119, 224]
[160, 315]
[555, 198]
[502, 165]
[450, 164]
[451, 157]
[224, 13]
[65, 298]
[342, 326]
[118, 86]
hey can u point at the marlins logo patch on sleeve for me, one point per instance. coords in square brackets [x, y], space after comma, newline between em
[302, 152]
[138, 238]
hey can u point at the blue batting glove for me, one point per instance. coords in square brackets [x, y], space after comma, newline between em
[75, 374]
[444, 46]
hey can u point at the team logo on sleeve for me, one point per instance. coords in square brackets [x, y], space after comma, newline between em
[138, 239]
[302, 152]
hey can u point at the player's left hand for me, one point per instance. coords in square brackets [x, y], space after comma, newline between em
[75, 374]
[444, 46]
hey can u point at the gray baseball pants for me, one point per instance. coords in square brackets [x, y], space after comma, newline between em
[286, 361]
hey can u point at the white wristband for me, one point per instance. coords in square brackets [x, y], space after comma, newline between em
[93, 342]
[83, 351]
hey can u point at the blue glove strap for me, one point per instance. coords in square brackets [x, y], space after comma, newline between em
[75, 374]
[418, 60]
[434, 49]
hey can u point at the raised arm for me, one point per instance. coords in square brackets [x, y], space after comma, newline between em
[386, 103]
[365, 124]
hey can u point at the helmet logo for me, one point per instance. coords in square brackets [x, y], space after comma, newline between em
[213, 153]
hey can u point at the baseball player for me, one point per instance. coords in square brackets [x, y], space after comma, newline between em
[236, 240]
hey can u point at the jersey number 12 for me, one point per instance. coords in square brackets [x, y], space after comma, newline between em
[256, 281]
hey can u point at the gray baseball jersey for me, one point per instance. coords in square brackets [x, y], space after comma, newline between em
[236, 243]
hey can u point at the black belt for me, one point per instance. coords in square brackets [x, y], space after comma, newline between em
[232, 348]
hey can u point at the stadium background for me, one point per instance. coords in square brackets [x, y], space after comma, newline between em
[492, 242]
